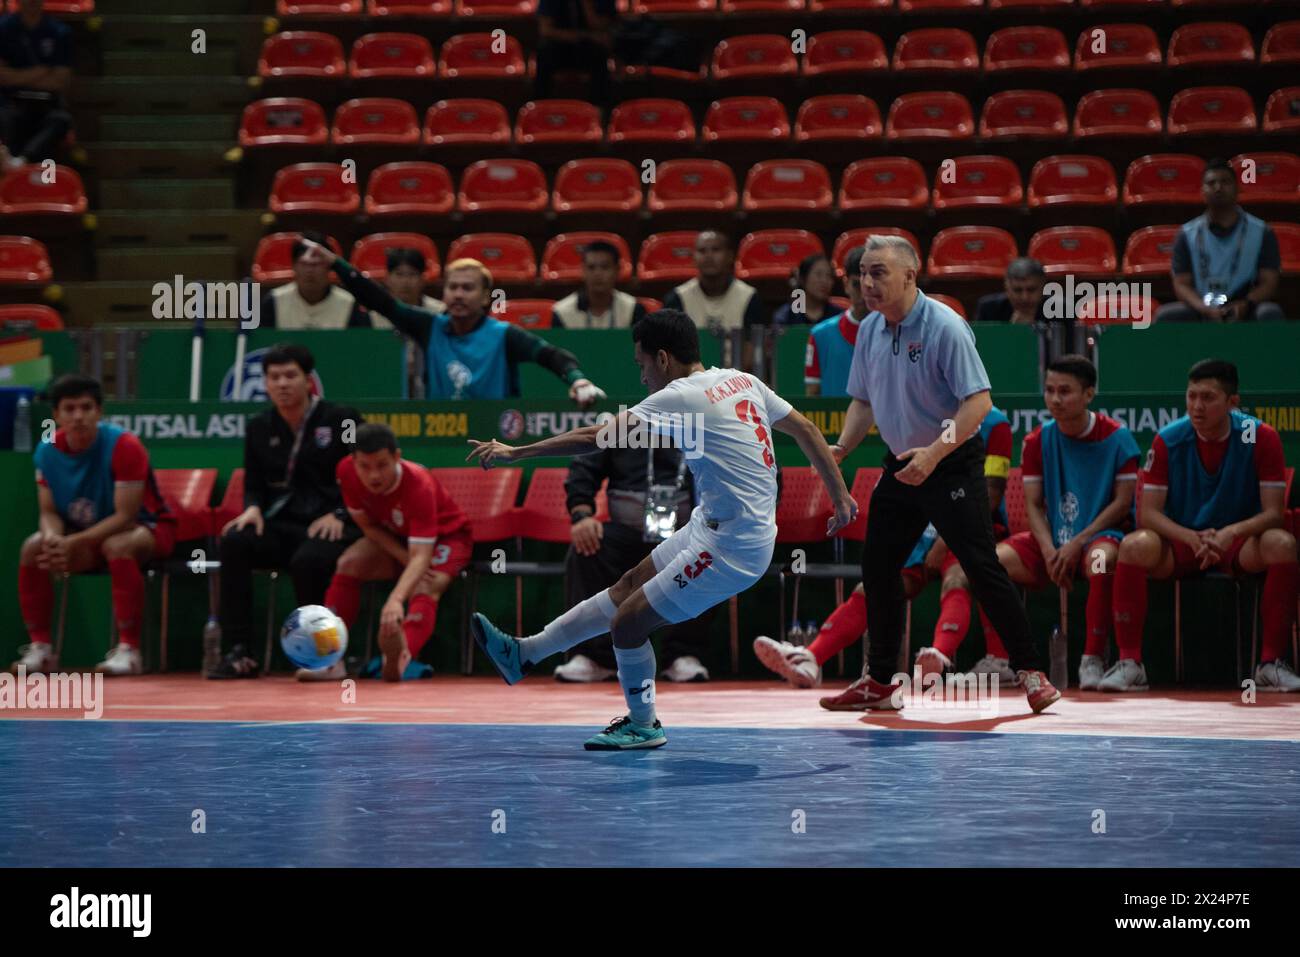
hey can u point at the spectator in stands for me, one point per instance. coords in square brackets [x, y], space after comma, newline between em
[575, 35]
[810, 299]
[468, 354]
[1226, 262]
[294, 516]
[598, 305]
[35, 73]
[831, 342]
[603, 551]
[311, 301]
[1022, 301]
[1212, 498]
[715, 299]
[1080, 471]
[405, 280]
[99, 507]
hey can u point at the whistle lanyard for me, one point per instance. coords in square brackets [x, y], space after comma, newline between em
[297, 444]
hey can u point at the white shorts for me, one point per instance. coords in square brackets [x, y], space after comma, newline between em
[697, 568]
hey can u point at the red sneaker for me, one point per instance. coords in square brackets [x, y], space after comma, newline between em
[865, 694]
[1040, 692]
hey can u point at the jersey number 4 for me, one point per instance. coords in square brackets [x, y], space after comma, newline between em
[748, 413]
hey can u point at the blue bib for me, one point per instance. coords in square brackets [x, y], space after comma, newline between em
[472, 366]
[1196, 499]
[1079, 478]
[82, 484]
[835, 356]
[1230, 261]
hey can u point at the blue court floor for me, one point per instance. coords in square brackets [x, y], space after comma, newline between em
[125, 793]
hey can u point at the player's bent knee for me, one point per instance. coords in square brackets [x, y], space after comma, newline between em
[1277, 546]
[117, 546]
[31, 548]
[1140, 548]
[434, 584]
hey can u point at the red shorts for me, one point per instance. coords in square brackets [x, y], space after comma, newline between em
[452, 553]
[1186, 562]
[924, 575]
[1031, 555]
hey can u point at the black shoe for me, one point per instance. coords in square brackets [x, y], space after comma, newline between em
[236, 664]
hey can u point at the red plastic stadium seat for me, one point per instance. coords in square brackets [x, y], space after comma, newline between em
[748, 7]
[934, 116]
[1281, 43]
[804, 506]
[746, 118]
[1210, 44]
[318, 8]
[1211, 109]
[648, 304]
[1053, 5]
[495, 9]
[273, 259]
[188, 494]
[558, 121]
[1102, 4]
[302, 53]
[461, 121]
[503, 185]
[410, 188]
[858, 237]
[774, 253]
[544, 516]
[1083, 250]
[409, 8]
[977, 181]
[1149, 251]
[848, 6]
[845, 51]
[597, 185]
[668, 256]
[24, 191]
[510, 257]
[1072, 181]
[375, 120]
[838, 116]
[754, 55]
[562, 257]
[1283, 110]
[370, 254]
[24, 260]
[283, 121]
[1023, 113]
[937, 6]
[528, 313]
[693, 184]
[952, 303]
[1288, 241]
[1118, 113]
[787, 185]
[971, 252]
[1276, 177]
[403, 55]
[1164, 178]
[25, 315]
[864, 483]
[937, 48]
[471, 56]
[1026, 48]
[885, 182]
[651, 120]
[1114, 45]
[1014, 497]
[657, 7]
[61, 7]
[486, 498]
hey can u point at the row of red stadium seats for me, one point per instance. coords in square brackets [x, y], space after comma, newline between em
[1120, 45]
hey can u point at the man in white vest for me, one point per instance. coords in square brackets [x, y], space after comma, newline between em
[311, 301]
[598, 305]
[715, 299]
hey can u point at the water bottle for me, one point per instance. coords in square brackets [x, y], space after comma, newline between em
[23, 425]
[809, 631]
[796, 634]
[211, 645]
[1060, 674]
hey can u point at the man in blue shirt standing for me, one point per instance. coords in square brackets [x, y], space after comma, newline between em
[917, 376]
[35, 72]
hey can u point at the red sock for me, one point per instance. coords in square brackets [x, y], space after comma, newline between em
[343, 597]
[992, 640]
[421, 613]
[845, 626]
[1281, 583]
[128, 599]
[1129, 606]
[954, 621]
[1098, 615]
[36, 599]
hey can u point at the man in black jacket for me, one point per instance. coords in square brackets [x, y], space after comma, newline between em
[294, 516]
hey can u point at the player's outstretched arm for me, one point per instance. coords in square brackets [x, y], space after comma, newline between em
[819, 454]
[574, 442]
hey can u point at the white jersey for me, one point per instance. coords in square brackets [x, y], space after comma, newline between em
[735, 473]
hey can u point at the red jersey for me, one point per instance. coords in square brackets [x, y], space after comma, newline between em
[128, 466]
[417, 510]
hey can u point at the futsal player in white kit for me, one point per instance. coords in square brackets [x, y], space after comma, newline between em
[724, 548]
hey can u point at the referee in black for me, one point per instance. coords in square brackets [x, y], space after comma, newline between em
[917, 375]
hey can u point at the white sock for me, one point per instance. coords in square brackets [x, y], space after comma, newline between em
[587, 619]
[636, 673]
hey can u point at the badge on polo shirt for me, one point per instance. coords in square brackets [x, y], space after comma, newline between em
[914, 350]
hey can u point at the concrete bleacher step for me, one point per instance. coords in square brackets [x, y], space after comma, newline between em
[204, 127]
[240, 228]
[180, 194]
[109, 302]
[160, 263]
[158, 159]
[148, 95]
[121, 63]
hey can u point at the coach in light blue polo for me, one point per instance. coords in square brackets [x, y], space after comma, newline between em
[917, 375]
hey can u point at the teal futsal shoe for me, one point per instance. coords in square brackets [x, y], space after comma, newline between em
[502, 649]
[624, 734]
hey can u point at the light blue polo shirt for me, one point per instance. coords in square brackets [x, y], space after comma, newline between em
[917, 374]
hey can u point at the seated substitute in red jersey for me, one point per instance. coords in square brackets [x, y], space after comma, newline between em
[1212, 498]
[99, 505]
[1079, 472]
[412, 531]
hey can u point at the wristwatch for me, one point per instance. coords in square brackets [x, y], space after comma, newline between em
[577, 515]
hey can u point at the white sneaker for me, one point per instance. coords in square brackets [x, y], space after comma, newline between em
[988, 665]
[335, 672]
[121, 660]
[581, 670]
[933, 661]
[1125, 675]
[36, 658]
[795, 663]
[1091, 671]
[1276, 676]
[685, 668]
